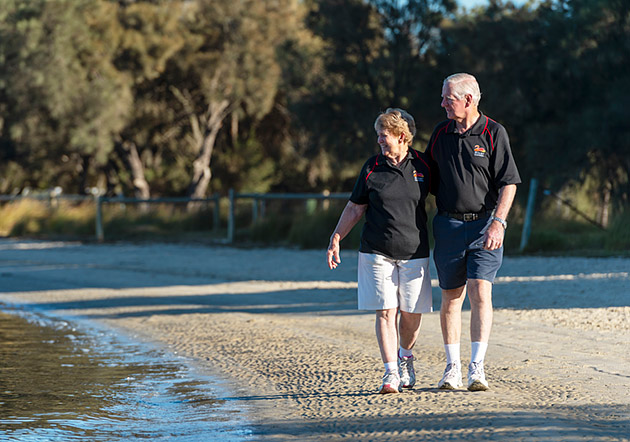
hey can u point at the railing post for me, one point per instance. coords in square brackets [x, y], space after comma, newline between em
[230, 232]
[100, 235]
[255, 210]
[529, 213]
[216, 215]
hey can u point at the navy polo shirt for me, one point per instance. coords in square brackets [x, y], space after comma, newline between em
[472, 166]
[395, 219]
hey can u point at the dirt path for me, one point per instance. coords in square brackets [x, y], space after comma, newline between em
[305, 362]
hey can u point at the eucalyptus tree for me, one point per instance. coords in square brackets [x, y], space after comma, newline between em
[227, 67]
[376, 54]
[64, 99]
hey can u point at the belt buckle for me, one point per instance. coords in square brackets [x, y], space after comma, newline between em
[470, 216]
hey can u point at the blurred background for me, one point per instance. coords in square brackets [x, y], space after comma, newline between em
[191, 98]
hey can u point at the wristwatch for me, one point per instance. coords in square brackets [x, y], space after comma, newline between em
[502, 221]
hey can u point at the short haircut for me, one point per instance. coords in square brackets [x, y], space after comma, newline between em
[463, 84]
[397, 121]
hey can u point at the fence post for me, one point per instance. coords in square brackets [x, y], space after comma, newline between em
[230, 232]
[216, 220]
[254, 210]
[529, 213]
[100, 235]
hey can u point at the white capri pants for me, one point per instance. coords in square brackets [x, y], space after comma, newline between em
[386, 283]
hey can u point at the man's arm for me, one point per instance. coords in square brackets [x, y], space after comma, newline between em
[495, 234]
[350, 216]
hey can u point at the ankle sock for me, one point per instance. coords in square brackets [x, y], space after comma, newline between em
[404, 353]
[391, 366]
[452, 353]
[478, 351]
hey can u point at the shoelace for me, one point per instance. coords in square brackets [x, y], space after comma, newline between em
[476, 368]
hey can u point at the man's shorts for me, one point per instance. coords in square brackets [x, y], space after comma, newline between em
[386, 283]
[459, 254]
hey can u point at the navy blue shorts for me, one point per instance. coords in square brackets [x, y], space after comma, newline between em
[459, 254]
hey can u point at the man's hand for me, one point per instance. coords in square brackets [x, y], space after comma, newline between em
[332, 255]
[494, 236]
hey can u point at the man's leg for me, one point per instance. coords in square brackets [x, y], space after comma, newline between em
[387, 337]
[451, 314]
[451, 322]
[480, 295]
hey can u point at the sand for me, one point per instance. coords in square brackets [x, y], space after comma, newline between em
[303, 363]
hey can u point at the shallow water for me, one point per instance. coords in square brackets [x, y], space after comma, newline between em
[58, 384]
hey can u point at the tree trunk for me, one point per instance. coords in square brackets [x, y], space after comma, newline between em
[202, 173]
[604, 218]
[132, 159]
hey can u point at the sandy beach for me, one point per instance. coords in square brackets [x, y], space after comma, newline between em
[284, 331]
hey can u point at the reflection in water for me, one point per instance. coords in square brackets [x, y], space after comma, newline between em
[58, 384]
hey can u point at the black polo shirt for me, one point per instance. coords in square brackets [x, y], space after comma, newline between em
[395, 219]
[472, 166]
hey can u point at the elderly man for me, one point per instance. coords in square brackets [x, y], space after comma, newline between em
[477, 184]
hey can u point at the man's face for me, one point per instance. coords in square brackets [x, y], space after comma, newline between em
[456, 109]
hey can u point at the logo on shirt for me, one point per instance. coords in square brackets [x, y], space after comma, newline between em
[479, 151]
[418, 176]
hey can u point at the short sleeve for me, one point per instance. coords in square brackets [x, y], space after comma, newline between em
[504, 166]
[360, 191]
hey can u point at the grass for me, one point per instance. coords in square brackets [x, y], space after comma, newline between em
[285, 224]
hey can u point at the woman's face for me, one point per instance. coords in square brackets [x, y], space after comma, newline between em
[391, 145]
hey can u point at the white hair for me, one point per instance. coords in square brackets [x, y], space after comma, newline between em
[464, 84]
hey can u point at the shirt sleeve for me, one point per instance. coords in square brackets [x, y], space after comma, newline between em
[503, 165]
[360, 191]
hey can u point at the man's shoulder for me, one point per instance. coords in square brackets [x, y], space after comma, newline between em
[493, 125]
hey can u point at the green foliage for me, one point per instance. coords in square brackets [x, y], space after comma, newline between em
[170, 97]
[618, 237]
[301, 230]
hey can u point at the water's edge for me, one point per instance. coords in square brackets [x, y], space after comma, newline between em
[70, 379]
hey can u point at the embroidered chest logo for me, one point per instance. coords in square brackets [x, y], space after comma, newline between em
[479, 151]
[418, 176]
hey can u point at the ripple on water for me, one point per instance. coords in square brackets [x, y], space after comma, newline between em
[57, 383]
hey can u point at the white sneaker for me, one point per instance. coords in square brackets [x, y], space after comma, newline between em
[406, 372]
[452, 378]
[476, 377]
[391, 382]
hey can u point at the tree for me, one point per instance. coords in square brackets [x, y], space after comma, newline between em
[67, 101]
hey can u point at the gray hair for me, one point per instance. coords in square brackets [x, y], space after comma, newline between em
[398, 121]
[463, 84]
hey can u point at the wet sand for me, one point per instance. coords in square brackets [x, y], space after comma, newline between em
[285, 332]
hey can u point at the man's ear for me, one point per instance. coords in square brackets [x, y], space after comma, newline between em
[469, 100]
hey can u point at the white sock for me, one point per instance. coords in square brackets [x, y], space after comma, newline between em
[391, 366]
[478, 351]
[452, 353]
[404, 353]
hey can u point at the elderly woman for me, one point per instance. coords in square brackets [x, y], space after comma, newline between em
[394, 253]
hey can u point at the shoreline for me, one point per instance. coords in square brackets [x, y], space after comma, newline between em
[285, 334]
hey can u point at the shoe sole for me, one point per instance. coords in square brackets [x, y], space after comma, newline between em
[408, 386]
[448, 386]
[477, 386]
[385, 389]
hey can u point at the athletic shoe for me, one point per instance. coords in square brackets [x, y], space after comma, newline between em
[476, 377]
[391, 382]
[452, 378]
[406, 371]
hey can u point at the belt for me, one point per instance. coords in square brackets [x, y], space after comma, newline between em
[473, 216]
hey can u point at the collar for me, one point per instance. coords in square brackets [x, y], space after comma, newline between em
[409, 156]
[476, 129]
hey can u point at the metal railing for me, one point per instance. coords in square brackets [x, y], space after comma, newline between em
[258, 205]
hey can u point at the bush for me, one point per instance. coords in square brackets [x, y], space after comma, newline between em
[618, 237]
